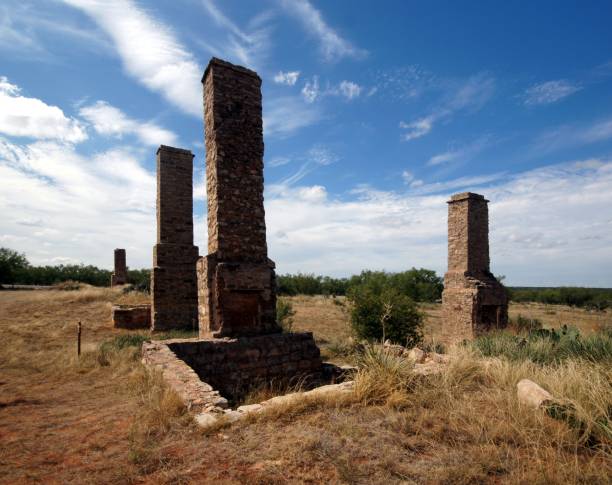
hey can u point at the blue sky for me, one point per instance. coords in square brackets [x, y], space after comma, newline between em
[373, 115]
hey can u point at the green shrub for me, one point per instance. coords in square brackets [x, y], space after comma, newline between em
[524, 324]
[547, 346]
[126, 340]
[284, 314]
[385, 313]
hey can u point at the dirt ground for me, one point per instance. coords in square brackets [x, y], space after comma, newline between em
[62, 421]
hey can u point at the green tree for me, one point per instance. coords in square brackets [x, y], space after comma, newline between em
[384, 313]
[12, 265]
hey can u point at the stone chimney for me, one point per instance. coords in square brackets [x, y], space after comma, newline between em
[473, 300]
[236, 280]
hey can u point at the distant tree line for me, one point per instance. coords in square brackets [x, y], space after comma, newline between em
[418, 284]
[590, 298]
[16, 269]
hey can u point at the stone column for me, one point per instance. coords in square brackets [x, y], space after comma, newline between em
[473, 300]
[236, 280]
[173, 280]
[119, 276]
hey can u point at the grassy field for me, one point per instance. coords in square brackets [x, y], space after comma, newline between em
[103, 419]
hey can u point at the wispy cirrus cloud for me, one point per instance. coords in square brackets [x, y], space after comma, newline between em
[549, 92]
[249, 46]
[25, 28]
[111, 121]
[318, 156]
[468, 96]
[461, 153]
[30, 117]
[332, 45]
[285, 115]
[150, 51]
[403, 83]
[573, 135]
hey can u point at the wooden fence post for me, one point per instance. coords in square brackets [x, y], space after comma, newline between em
[79, 339]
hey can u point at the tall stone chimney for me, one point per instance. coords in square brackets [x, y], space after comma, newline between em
[236, 280]
[173, 280]
[473, 300]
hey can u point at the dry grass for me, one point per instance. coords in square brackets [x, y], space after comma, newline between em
[106, 420]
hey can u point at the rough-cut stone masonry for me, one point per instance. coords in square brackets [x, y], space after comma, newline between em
[174, 280]
[119, 276]
[188, 366]
[473, 300]
[131, 316]
[233, 366]
[236, 280]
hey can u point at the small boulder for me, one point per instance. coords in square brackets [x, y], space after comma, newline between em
[206, 420]
[417, 355]
[439, 358]
[532, 395]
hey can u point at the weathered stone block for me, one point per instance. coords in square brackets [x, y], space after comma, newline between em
[131, 316]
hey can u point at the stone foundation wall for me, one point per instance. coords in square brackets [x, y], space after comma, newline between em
[233, 366]
[131, 316]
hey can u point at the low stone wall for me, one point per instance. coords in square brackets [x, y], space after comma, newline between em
[199, 371]
[235, 365]
[198, 396]
[131, 316]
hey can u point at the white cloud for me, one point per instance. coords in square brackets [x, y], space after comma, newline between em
[246, 47]
[289, 78]
[285, 115]
[416, 129]
[21, 26]
[549, 92]
[317, 156]
[278, 162]
[150, 51]
[468, 96]
[31, 117]
[349, 89]
[333, 47]
[464, 152]
[311, 91]
[402, 83]
[60, 206]
[573, 135]
[109, 120]
[410, 179]
[547, 227]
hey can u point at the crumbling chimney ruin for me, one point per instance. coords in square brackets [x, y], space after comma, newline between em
[119, 275]
[473, 300]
